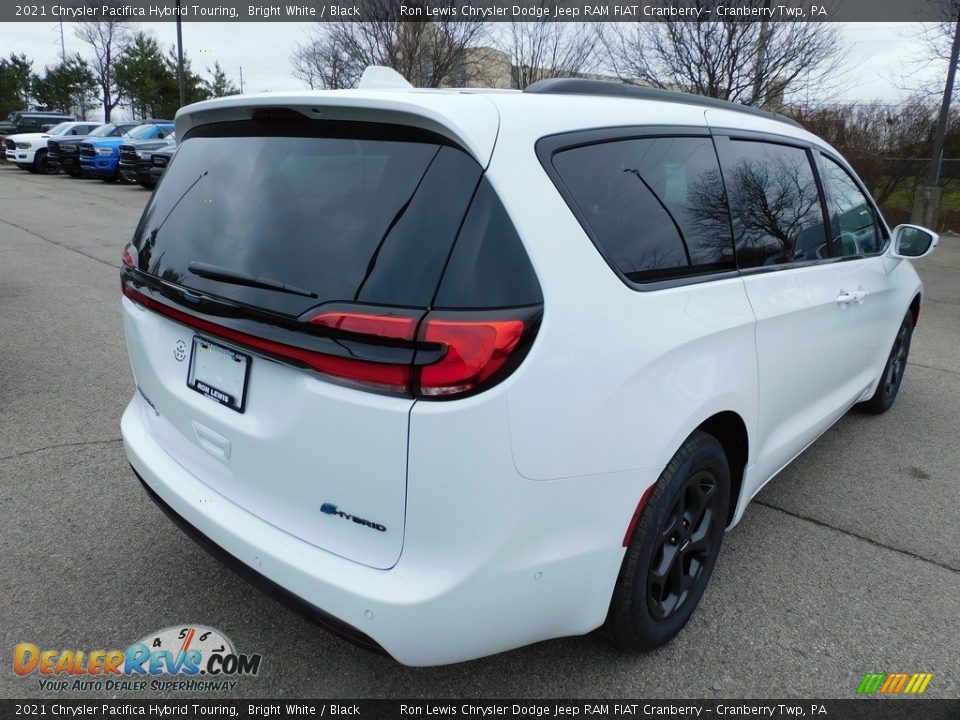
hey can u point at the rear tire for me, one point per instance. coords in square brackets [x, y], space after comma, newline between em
[674, 548]
[886, 392]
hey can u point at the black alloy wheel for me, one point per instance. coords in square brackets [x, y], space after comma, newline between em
[897, 363]
[673, 549]
[889, 385]
[685, 545]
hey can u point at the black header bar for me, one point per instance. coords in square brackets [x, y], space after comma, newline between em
[887, 709]
[476, 10]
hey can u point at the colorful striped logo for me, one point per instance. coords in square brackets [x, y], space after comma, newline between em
[894, 683]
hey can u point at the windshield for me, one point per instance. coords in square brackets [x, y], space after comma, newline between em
[58, 129]
[141, 131]
[107, 130]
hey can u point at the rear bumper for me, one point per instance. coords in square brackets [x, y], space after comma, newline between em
[263, 583]
[516, 578]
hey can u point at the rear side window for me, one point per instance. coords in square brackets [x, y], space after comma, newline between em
[334, 212]
[853, 223]
[775, 207]
[654, 206]
[489, 267]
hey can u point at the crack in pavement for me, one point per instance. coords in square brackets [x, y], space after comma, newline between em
[933, 367]
[852, 534]
[61, 445]
[35, 234]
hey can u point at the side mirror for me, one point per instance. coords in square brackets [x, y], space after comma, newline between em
[912, 241]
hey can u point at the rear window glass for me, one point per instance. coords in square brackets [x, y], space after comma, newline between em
[489, 267]
[654, 206]
[370, 218]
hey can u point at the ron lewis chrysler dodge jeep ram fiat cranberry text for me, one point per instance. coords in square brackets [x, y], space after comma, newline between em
[458, 371]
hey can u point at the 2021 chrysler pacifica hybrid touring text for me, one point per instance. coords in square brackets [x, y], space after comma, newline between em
[460, 371]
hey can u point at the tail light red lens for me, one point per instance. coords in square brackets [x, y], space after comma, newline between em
[471, 350]
[386, 326]
[381, 376]
[129, 256]
[475, 350]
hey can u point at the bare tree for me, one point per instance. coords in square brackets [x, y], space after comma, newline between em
[925, 71]
[754, 63]
[321, 62]
[106, 39]
[883, 141]
[540, 50]
[429, 51]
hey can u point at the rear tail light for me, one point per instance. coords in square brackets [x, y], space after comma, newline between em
[470, 351]
[396, 327]
[129, 256]
[474, 351]
[454, 353]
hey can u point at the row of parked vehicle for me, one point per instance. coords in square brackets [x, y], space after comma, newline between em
[135, 152]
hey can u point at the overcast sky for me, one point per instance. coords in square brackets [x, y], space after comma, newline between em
[878, 59]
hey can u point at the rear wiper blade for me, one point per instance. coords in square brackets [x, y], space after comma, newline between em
[213, 272]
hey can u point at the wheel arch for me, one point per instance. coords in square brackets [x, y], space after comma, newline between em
[731, 432]
[915, 308]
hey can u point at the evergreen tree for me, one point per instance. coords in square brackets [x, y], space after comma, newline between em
[70, 87]
[143, 76]
[195, 86]
[16, 83]
[219, 84]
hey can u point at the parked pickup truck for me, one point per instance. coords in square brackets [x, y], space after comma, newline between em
[29, 150]
[63, 153]
[29, 121]
[101, 157]
[136, 159]
[160, 159]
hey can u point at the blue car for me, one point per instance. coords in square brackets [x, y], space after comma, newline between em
[101, 157]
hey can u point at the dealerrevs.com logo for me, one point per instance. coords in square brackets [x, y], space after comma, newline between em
[190, 658]
[894, 683]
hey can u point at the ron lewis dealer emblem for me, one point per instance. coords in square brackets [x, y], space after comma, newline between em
[180, 351]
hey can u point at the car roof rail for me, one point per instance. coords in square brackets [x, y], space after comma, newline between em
[583, 86]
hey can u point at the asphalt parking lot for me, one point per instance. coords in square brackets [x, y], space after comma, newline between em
[848, 563]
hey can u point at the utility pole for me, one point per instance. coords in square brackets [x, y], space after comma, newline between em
[926, 210]
[935, 161]
[241, 79]
[181, 81]
[63, 45]
[760, 70]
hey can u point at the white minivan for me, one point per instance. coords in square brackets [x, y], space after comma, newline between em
[457, 371]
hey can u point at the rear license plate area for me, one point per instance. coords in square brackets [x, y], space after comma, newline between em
[219, 373]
